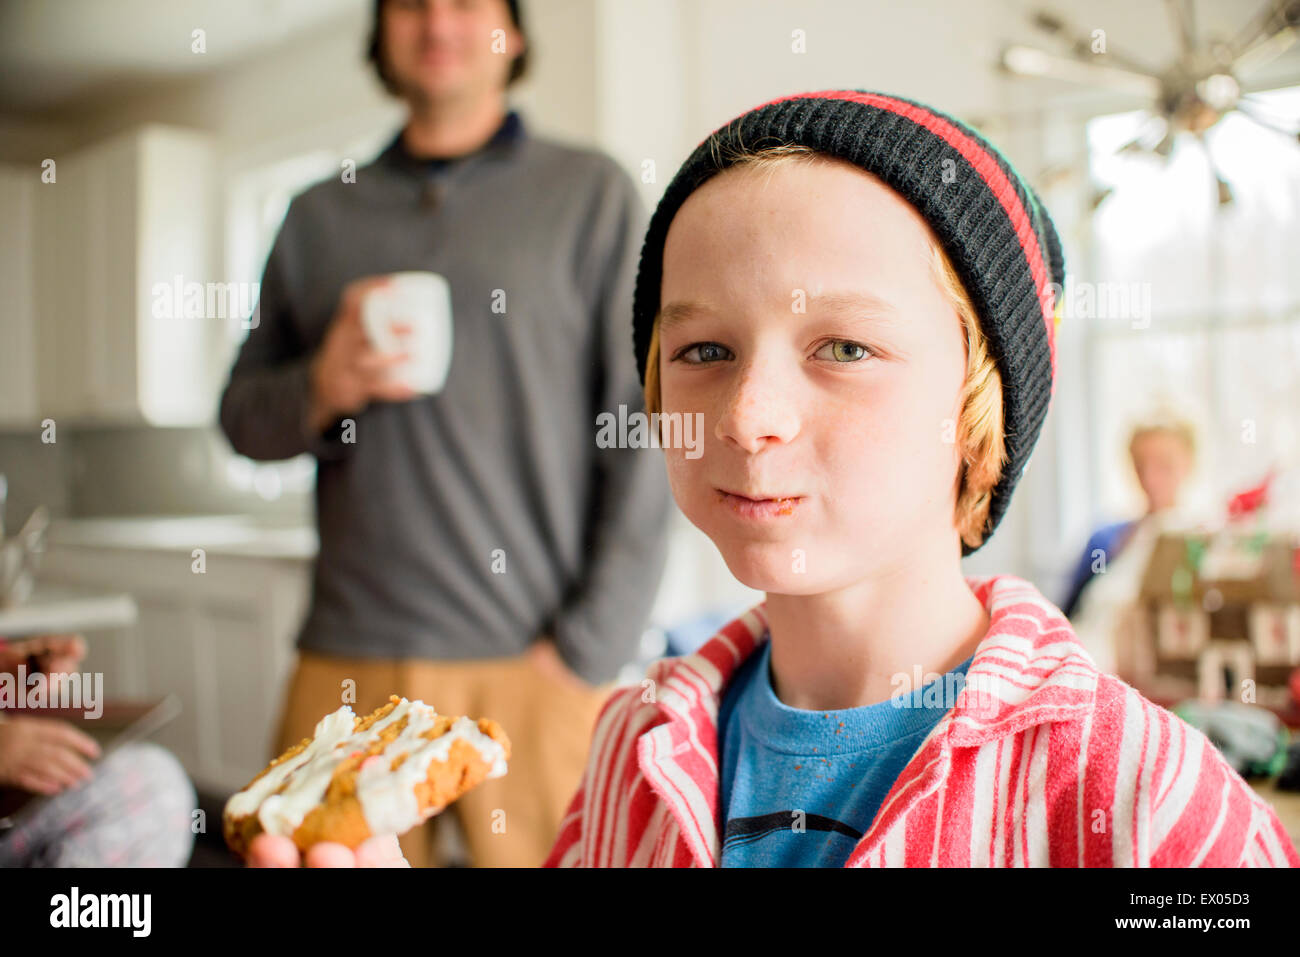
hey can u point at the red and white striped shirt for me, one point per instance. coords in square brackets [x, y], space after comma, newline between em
[1043, 761]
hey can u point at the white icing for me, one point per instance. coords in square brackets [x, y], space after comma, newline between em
[387, 797]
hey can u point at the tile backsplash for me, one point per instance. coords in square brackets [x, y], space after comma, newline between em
[36, 473]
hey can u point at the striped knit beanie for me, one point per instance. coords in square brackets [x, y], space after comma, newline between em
[990, 223]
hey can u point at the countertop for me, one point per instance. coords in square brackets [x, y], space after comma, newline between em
[65, 608]
[215, 534]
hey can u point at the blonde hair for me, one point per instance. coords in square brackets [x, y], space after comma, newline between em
[979, 429]
[1165, 422]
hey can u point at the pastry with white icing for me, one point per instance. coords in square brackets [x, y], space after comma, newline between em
[362, 776]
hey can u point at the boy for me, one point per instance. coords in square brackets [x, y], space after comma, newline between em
[857, 293]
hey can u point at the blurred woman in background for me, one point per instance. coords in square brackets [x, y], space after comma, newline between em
[1109, 573]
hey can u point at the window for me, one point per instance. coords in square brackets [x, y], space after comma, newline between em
[1222, 343]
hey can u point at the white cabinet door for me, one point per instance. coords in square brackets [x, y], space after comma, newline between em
[244, 691]
[167, 646]
[123, 217]
[61, 284]
[111, 241]
[115, 653]
[18, 403]
[176, 210]
[221, 641]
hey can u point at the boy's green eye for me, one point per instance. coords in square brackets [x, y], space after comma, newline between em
[703, 352]
[843, 351]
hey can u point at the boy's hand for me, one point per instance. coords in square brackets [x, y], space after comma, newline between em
[270, 850]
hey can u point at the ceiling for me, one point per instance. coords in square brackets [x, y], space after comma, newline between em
[1143, 31]
[58, 51]
[62, 53]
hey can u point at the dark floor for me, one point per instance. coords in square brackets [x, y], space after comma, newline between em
[210, 847]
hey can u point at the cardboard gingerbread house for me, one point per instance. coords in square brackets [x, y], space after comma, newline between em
[1218, 616]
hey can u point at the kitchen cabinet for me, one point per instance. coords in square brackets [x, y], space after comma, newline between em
[123, 219]
[18, 404]
[221, 640]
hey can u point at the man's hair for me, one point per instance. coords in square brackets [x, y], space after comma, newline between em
[979, 430]
[375, 53]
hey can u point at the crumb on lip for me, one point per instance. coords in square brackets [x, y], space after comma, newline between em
[784, 505]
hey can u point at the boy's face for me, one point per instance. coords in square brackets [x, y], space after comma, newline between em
[839, 413]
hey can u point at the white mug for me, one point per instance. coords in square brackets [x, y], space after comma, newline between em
[421, 300]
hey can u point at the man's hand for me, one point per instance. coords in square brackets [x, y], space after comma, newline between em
[347, 372]
[270, 850]
[43, 755]
[546, 657]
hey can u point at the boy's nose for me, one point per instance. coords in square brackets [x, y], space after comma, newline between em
[758, 410]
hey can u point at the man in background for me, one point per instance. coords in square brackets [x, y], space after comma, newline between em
[478, 551]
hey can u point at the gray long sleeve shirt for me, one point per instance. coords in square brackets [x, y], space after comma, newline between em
[467, 523]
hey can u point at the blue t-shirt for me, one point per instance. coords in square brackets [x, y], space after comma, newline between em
[800, 788]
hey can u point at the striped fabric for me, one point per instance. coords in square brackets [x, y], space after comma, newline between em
[1043, 761]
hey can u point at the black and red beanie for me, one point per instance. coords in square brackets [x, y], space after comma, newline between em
[990, 223]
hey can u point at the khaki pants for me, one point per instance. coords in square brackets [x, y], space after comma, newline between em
[511, 821]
